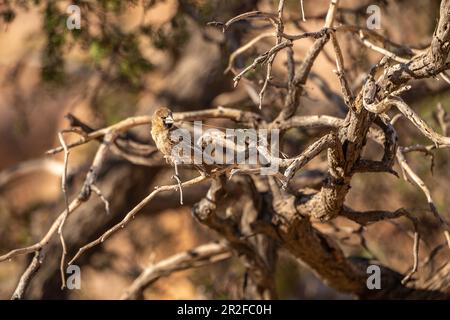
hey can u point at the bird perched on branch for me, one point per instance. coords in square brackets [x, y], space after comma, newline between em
[179, 151]
[207, 154]
[162, 124]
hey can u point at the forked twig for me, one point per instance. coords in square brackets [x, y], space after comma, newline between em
[130, 215]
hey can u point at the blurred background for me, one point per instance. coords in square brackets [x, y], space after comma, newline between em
[130, 57]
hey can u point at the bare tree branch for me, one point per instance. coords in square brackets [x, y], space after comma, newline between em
[198, 257]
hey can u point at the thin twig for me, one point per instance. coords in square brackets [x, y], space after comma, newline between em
[99, 193]
[271, 17]
[245, 47]
[419, 182]
[52, 230]
[198, 257]
[302, 10]
[130, 215]
[261, 59]
[66, 212]
[309, 153]
[177, 178]
[346, 91]
[331, 14]
[416, 245]
[426, 130]
[26, 277]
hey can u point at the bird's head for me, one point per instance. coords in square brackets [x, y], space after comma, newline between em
[162, 118]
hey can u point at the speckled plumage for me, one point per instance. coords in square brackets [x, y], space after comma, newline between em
[162, 124]
[162, 127]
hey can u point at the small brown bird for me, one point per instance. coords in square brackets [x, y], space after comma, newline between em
[162, 123]
[162, 128]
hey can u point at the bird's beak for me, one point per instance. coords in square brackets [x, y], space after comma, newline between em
[168, 121]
